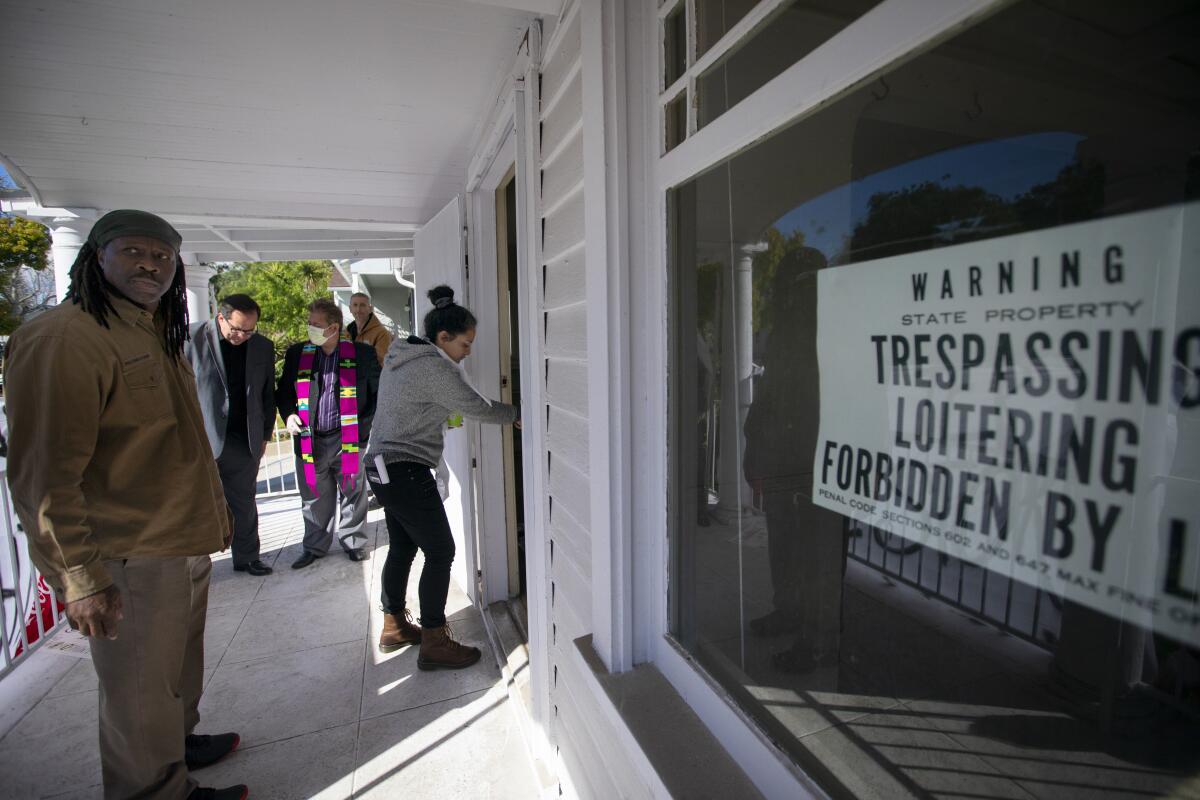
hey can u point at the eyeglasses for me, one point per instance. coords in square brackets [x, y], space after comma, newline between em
[235, 329]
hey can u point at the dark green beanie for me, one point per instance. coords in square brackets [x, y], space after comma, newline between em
[127, 222]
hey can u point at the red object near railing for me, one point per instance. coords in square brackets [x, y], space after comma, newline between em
[48, 608]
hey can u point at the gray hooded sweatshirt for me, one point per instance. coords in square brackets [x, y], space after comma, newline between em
[418, 391]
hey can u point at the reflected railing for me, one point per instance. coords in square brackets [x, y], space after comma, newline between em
[1016, 608]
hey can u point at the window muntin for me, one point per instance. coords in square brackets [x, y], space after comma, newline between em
[714, 18]
[1033, 120]
[788, 36]
[722, 67]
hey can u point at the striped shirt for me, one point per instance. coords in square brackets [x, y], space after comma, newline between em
[325, 414]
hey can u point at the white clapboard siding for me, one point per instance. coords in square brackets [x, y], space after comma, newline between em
[609, 774]
[570, 542]
[570, 489]
[563, 229]
[587, 749]
[562, 120]
[564, 175]
[567, 435]
[565, 280]
[566, 331]
[573, 589]
[592, 780]
[562, 61]
[566, 385]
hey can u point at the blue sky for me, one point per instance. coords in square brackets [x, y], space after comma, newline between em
[1006, 167]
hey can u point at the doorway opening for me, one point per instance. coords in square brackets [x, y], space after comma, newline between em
[510, 390]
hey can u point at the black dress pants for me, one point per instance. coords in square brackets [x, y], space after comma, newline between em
[416, 518]
[239, 479]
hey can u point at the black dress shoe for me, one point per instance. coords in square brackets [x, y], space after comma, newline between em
[356, 554]
[239, 792]
[304, 560]
[255, 567]
[200, 751]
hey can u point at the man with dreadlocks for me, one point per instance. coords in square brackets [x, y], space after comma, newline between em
[114, 481]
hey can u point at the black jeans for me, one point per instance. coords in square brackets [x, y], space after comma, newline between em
[415, 518]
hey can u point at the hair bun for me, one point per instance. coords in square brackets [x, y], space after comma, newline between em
[441, 296]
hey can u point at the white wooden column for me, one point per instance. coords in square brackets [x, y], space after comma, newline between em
[198, 276]
[605, 169]
[737, 383]
[67, 235]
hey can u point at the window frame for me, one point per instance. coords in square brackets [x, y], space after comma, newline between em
[890, 33]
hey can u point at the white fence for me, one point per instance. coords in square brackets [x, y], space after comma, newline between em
[31, 614]
[277, 470]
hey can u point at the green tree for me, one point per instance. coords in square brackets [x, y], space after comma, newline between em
[766, 264]
[24, 249]
[283, 289]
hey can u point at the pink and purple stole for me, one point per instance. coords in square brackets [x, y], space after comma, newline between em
[348, 409]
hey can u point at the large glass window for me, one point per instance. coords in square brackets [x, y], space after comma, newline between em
[936, 416]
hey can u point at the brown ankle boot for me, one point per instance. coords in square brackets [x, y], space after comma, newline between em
[439, 651]
[397, 632]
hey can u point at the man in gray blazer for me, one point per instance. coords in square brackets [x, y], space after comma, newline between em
[235, 377]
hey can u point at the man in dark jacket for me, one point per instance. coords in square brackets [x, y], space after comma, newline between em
[326, 395]
[235, 375]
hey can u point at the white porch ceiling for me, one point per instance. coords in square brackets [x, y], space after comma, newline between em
[276, 127]
[208, 243]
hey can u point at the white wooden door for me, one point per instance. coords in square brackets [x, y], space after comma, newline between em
[438, 255]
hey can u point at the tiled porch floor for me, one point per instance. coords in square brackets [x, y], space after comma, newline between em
[291, 665]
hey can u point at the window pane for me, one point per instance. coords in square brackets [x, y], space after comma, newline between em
[675, 117]
[794, 32]
[714, 18]
[674, 46]
[936, 416]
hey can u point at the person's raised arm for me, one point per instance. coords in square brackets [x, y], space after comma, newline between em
[455, 394]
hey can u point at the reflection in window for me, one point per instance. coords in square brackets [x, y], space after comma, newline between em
[674, 45]
[714, 18]
[885, 663]
[793, 32]
[675, 119]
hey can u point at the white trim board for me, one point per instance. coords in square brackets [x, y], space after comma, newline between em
[888, 34]
[533, 432]
[490, 522]
[606, 266]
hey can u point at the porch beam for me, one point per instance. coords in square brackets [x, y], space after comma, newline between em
[545, 8]
[250, 254]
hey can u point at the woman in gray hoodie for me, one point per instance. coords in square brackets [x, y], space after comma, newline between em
[421, 391]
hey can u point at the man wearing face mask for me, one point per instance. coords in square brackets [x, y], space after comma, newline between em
[326, 395]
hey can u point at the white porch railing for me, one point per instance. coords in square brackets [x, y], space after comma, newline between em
[277, 470]
[31, 614]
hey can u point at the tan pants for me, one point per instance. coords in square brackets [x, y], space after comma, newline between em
[151, 676]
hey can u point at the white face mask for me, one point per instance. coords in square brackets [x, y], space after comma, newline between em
[317, 335]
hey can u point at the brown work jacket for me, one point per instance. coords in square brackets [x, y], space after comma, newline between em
[107, 452]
